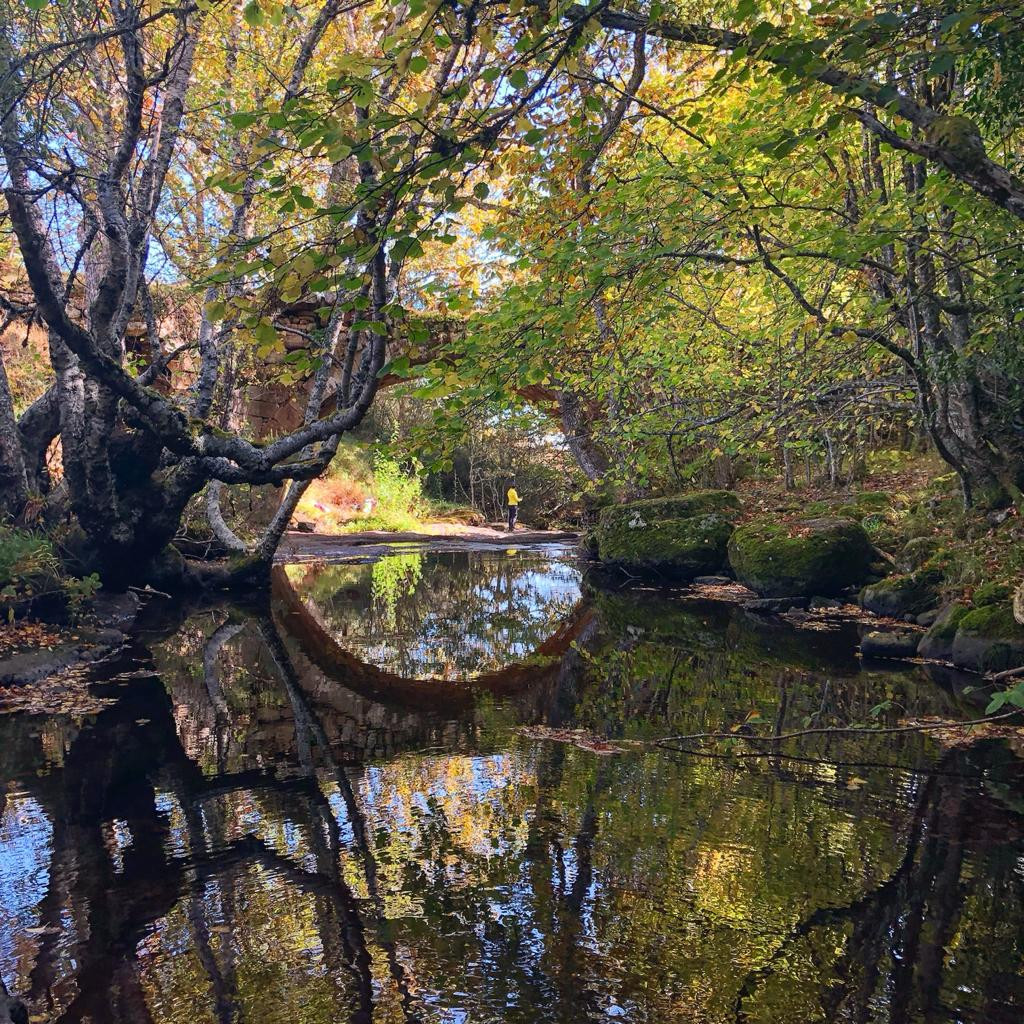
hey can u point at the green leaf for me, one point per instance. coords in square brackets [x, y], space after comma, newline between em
[373, 326]
[517, 78]
[253, 13]
[397, 367]
[265, 333]
[997, 702]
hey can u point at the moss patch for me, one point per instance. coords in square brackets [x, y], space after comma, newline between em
[874, 501]
[903, 596]
[991, 593]
[680, 506]
[802, 559]
[679, 548]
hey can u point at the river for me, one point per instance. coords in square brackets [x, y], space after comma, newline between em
[422, 789]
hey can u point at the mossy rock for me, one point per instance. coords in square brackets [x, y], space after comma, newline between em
[808, 558]
[674, 548]
[678, 537]
[680, 506]
[937, 643]
[917, 551]
[903, 597]
[989, 639]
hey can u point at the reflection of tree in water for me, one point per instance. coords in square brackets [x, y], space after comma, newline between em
[211, 857]
[450, 615]
[392, 579]
[655, 667]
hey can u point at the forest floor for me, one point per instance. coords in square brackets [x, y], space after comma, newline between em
[903, 497]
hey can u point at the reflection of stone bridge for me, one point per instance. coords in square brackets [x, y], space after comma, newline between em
[340, 669]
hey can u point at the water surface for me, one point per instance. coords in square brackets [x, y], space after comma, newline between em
[329, 810]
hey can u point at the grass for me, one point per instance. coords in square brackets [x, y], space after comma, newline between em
[25, 557]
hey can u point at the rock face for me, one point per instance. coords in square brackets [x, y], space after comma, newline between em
[989, 639]
[903, 597]
[808, 558]
[937, 643]
[877, 644]
[675, 538]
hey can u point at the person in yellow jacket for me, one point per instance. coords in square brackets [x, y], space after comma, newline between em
[513, 504]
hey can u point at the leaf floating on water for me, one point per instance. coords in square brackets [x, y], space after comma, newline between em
[856, 782]
[63, 693]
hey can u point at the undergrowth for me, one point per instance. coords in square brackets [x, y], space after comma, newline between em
[32, 578]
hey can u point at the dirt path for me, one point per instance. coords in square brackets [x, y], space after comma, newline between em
[371, 544]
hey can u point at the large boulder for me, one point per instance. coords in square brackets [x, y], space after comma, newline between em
[675, 538]
[806, 558]
[937, 643]
[903, 597]
[989, 639]
[884, 644]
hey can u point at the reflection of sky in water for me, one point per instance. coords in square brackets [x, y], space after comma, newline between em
[25, 836]
[445, 615]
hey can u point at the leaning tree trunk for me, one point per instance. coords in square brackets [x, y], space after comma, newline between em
[579, 436]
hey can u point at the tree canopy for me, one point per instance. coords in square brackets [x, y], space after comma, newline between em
[688, 230]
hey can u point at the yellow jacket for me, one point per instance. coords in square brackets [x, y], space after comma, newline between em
[513, 497]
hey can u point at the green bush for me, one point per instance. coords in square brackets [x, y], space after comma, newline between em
[400, 504]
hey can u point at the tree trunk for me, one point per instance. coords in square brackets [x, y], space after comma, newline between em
[579, 437]
[13, 480]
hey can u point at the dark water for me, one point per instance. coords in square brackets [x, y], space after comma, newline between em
[329, 811]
